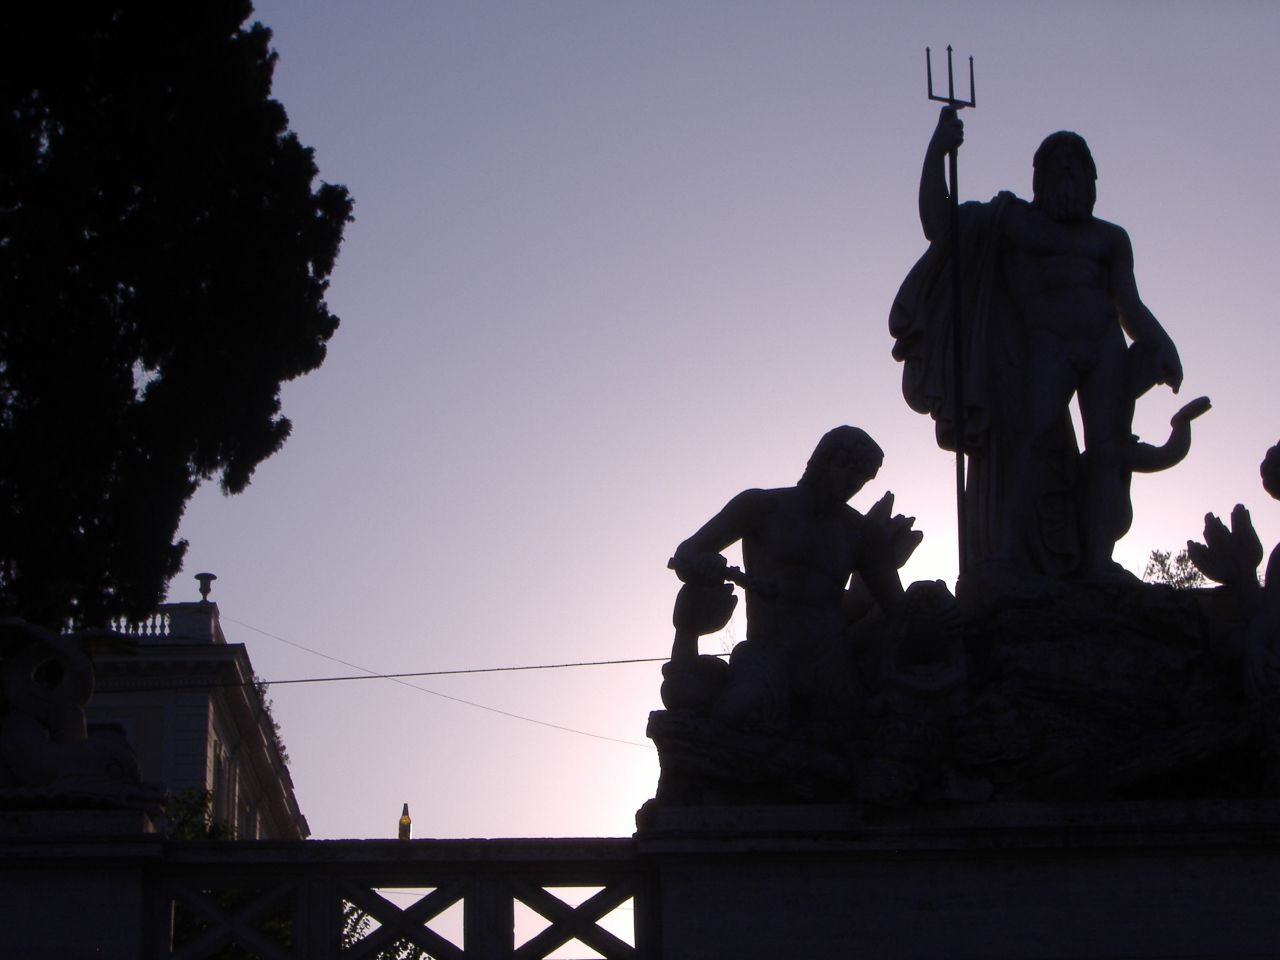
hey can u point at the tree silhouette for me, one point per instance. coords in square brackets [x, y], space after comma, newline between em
[164, 255]
[1174, 569]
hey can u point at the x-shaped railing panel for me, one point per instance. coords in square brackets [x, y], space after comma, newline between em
[569, 923]
[240, 892]
[235, 925]
[404, 924]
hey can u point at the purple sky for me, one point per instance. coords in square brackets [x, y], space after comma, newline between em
[613, 263]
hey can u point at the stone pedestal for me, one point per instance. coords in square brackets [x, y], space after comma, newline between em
[74, 882]
[988, 881]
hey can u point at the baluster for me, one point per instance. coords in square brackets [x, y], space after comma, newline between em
[489, 919]
[318, 918]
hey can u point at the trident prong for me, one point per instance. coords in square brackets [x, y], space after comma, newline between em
[950, 99]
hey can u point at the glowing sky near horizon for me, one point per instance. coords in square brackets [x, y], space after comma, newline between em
[613, 263]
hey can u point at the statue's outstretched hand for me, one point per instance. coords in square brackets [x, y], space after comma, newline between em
[897, 530]
[1232, 556]
[904, 539]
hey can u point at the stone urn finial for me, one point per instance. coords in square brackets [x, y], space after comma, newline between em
[205, 580]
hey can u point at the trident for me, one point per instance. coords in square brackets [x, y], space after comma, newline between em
[957, 338]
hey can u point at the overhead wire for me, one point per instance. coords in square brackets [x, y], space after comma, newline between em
[368, 674]
[420, 673]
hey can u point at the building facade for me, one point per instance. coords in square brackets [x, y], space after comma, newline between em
[190, 706]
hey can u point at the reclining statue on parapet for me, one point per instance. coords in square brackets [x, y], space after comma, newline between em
[812, 563]
[850, 688]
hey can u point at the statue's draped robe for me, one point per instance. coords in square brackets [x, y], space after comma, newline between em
[1019, 502]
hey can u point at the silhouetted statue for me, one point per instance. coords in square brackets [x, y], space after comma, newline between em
[1231, 557]
[1263, 650]
[812, 563]
[1049, 295]
[1088, 691]
[46, 678]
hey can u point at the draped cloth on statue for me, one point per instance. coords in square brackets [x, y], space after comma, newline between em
[1020, 501]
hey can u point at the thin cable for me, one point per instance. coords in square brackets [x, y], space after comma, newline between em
[371, 674]
[424, 673]
[454, 673]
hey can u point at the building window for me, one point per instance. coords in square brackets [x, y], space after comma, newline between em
[221, 787]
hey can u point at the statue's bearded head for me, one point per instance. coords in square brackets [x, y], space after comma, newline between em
[843, 461]
[1271, 471]
[1064, 183]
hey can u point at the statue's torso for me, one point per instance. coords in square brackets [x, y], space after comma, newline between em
[807, 558]
[1059, 274]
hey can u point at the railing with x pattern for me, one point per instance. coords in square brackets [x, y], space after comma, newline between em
[460, 900]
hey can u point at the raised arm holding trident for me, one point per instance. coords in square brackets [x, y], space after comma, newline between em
[957, 318]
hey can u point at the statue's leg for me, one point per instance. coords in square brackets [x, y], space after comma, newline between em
[758, 690]
[1036, 444]
[1106, 413]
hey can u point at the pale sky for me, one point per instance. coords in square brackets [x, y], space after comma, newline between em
[614, 262]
